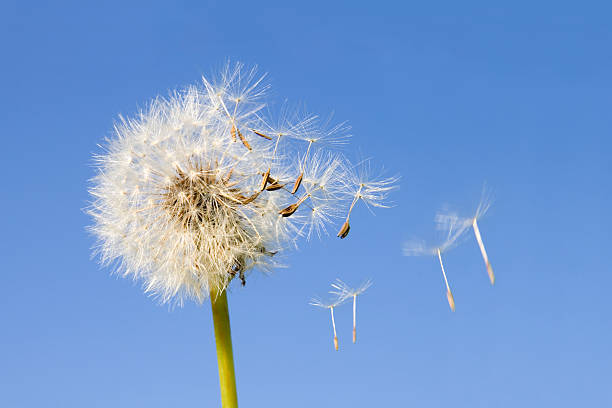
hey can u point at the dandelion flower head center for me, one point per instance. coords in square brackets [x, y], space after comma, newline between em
[196, 197]
[203, 200]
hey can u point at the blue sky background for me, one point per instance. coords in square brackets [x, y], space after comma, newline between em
[448, 94]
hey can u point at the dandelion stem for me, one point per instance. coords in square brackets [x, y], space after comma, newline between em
[225, 358]
[483, 252]
[334, 326]
[449, 294]
[354, 318]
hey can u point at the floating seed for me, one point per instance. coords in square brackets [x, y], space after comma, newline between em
[233, 132]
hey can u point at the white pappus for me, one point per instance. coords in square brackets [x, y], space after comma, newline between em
[199, 188]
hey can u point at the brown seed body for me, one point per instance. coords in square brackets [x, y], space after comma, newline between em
[297, 184]
[451, 300]
[250, 198]
[261, 134]
[344, 230]
[286, 212]
[266, 177]
[270, 179]
[244, 141]
[233, 132]
[274, 186]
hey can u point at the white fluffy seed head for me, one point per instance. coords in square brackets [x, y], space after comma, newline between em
[190, 193]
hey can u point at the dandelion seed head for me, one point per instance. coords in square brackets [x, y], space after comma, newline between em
[178, 203]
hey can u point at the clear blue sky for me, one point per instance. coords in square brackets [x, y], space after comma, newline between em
[449, 95]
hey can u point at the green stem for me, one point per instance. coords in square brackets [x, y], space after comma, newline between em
[225, 357]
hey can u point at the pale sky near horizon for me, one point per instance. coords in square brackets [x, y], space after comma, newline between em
[448, 95]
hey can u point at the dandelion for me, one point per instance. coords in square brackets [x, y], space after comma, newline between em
[328, 305]
[198, 189]
[345, 292]
[455, 227]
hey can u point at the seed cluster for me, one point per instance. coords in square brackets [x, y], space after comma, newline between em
[201, 187]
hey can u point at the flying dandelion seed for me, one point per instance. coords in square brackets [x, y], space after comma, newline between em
[472, 221]
[200, 188]
[455, 228]
[328, 305]
[345, 292]
[372, 191]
